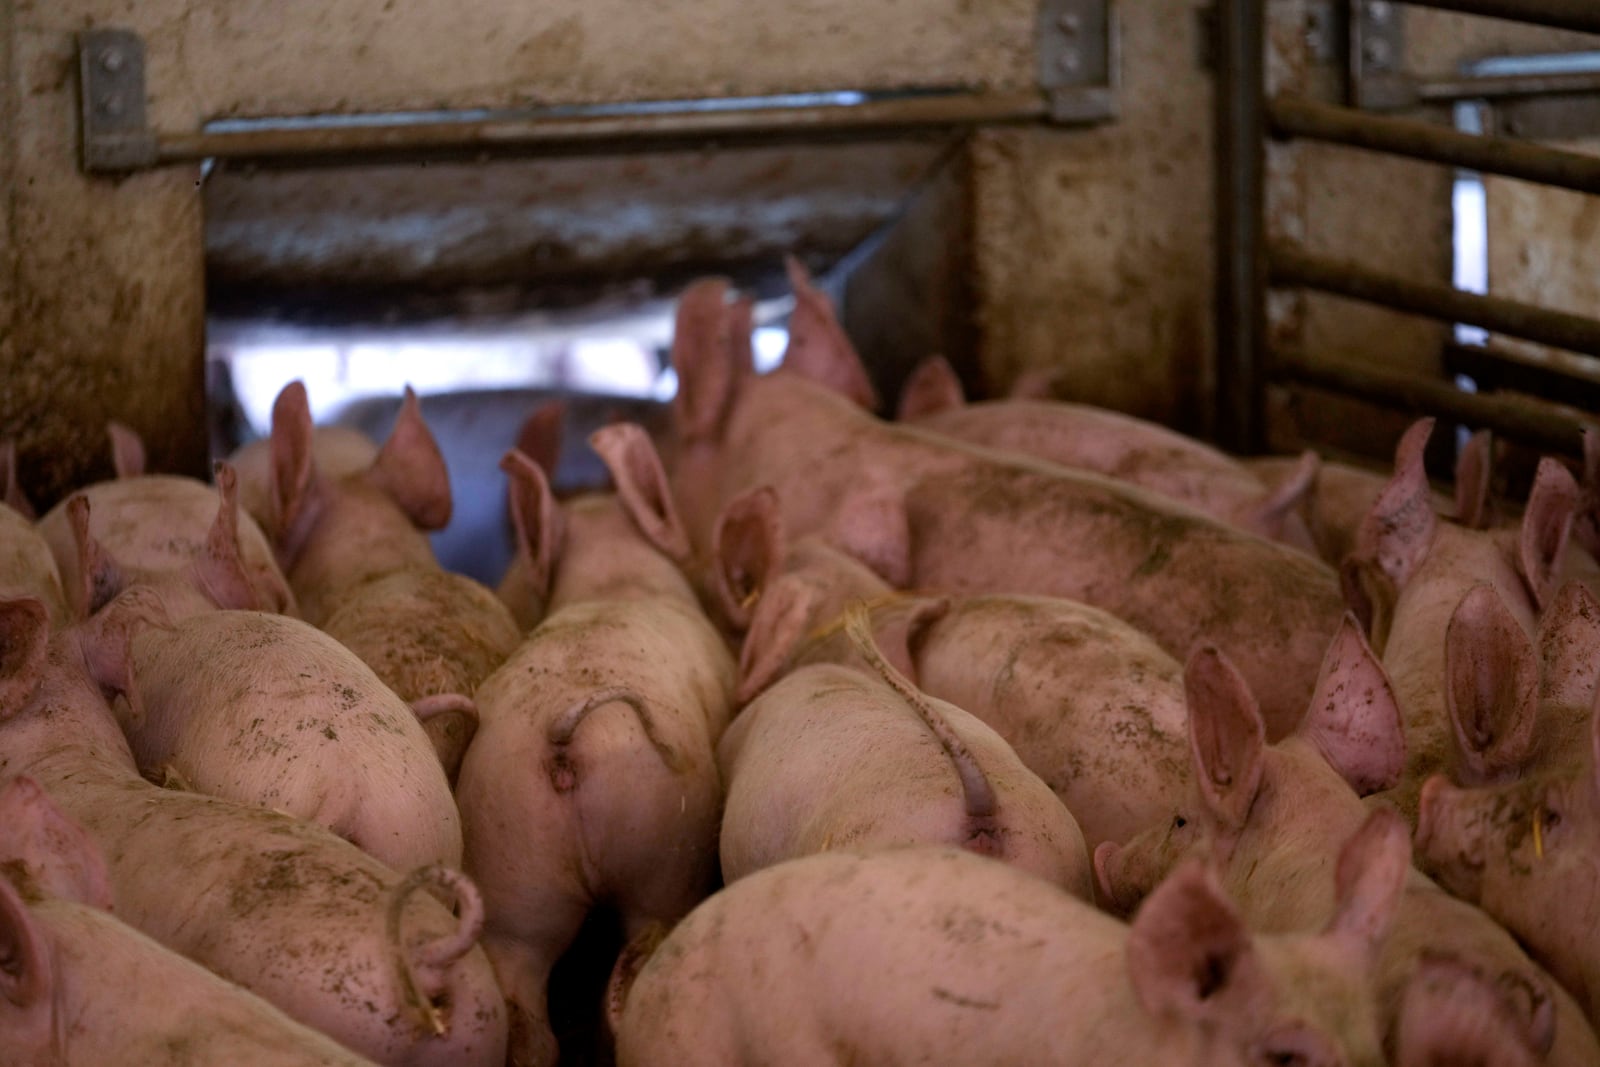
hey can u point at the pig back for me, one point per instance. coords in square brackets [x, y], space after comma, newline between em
[27, 567]
[1175, 574]
[267, 710]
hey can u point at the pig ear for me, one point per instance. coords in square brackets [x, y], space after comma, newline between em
[1474, 467]
[642, 487]
[933, 387]
[1036, 383]
[540, 436]
[100, 580]
[1267, 518]
[411, 470]
[1491, 685]
[1226, 735]
[779, 623]
[296, 488]
[1187, 946]
[57, 853]
[106, 641]
[1453, 1015]
[706, 364]
[26, 978]
[1354, 719]
[747, 549]
[1398, 531]
[537, 520]
[220, 569]
[451, 722]
[127, 450]
[1569, 647]
[1546, 525]
[10, 489]
[1370, 880]
[1370, 595]
[818, 346]
[24, 645]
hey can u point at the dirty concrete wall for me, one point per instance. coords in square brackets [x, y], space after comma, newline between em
[105, 312]
[1544, 244]
[1093, 247]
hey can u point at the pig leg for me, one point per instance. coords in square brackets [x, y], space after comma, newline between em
[522, 959]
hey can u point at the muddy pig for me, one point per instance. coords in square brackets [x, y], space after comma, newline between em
[922, 955]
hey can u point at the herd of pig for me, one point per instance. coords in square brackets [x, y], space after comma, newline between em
[1013, 732]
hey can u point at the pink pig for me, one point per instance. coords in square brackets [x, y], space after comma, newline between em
[1528, 853]
[921, 955]
[305, 920]
[1273, 817]
[81, 989]
[834, 757]
[927, 512]
[1119, 446]
[593, 778]
[27, 567]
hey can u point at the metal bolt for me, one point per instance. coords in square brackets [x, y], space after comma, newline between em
[111, 59]
[1070, 23]
[1069, 61]
[1378, 12]
[111, 103]
[1375, 51]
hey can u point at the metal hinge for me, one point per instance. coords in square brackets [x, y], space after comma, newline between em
[1377, 56]
[112, 96]
[1078, 59]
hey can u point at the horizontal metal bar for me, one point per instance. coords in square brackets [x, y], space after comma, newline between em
[595, 132]
[1497, 367]
[1580, 15]
[1293, 117]
[1506, 86]
[1290, 265]
[1535, 422]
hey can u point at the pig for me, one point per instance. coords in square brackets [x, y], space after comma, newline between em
[27, 566]
[1118, 446]
[178, 534]
[1091, 705]
[1411, 571]
[925, 955]
[83, 989]
[305, 920]
[924, 511]
[335, 534]
[1273, 818]
[1527, 852]
[268, 710]
[431, 635]
[593, 779]
[834, 757]
[1452, 1016]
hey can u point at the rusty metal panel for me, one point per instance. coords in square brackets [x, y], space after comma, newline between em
[219, 58]
[542, 222]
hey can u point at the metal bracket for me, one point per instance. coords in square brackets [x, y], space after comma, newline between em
[1552, 118]
[112, 96]
[1377, 56]
[1078, 59]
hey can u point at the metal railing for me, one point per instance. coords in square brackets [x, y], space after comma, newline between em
[1249, 262]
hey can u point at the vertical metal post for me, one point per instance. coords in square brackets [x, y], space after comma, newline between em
[1241, 303]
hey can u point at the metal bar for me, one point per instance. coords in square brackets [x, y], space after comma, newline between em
[1534, 422]
[1241, 303]
[587, 133]
[1580, 15]
[1506, 86]
[1290, 265]
[1292, 117]
[1495, 367]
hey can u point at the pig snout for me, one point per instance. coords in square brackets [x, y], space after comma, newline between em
[1449, 838]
